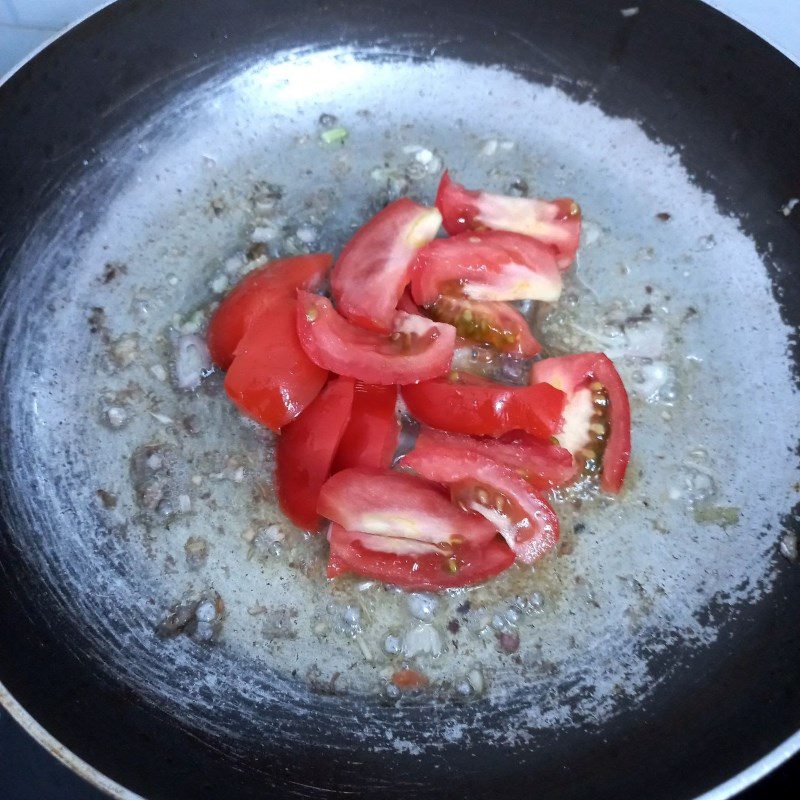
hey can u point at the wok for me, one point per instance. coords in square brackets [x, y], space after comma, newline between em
[668, 107]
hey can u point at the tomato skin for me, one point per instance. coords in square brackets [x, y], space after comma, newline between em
[480, 407]
[416, 573]
[386, 504]
[370, 438]
[486, 265]
[306, 449]
[373, 268]
[497, 324]
[261, 290]
[572, 373]
[556, 223]
[418, 349]
[542, 464]
[271, 379]
[527, 522]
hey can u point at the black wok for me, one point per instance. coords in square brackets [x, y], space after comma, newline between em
[717, 716]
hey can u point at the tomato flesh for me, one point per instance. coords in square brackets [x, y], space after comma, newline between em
[523, 518]
[464, 403]
[261, 290]
[373, 268]
[406, 303]
[542, 464]
[597, 416]
[556, 223]
[417, 349]
[496, 324]
[305, 452]
[392, 505]
[486, 265]
[465, 566]
[370, 438]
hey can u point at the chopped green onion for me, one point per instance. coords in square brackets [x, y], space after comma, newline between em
[334, 135]
[717, 515]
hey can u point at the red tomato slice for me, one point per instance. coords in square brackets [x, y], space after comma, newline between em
[542, 464]
[370, 438]
[407, 678]
[597, 417]
[497, 324]
[524, 519]
[464, 403]
[259, 290]
[556, 223]
[351, 553]
[253, 335]
[486, 265]
[373, 267]
[305, 452]
[416, 350]
[395, 506]
[271, 378]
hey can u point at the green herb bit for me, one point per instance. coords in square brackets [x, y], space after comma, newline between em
[717, 515]
[334, 135]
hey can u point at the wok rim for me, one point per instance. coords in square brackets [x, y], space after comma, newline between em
[62, 753]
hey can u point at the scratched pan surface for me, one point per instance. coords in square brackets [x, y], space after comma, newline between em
[140, 157]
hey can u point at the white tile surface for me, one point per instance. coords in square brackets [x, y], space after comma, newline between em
[777, 21]
[50, 13]
[8, 14]
[17, 42]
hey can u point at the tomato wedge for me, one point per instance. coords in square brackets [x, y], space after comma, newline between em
[351, 553]
[486, 265]
[253, 335]
[556, 223]
[464, 403]
[497, 324]
[417, 349]
[394, 505]
[305, 452]
[262, 289]
[524, 519]
[542, 464]
[597, 416]
[271, 378]
[373, 267]
[370, 438]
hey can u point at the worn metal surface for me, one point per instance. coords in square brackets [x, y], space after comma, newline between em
[621, 706]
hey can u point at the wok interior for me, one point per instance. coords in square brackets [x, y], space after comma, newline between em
[650, 592]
